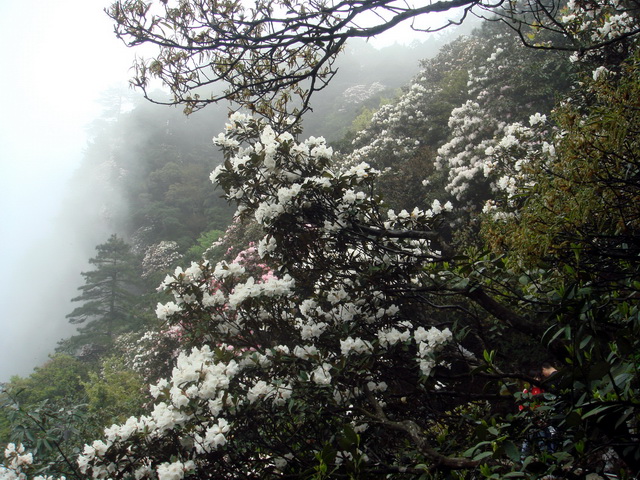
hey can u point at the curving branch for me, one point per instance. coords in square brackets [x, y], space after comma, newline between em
[413, 430]
[269, 58]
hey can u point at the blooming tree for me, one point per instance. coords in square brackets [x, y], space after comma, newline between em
[353, 340]
[319, 365]
[159, 257]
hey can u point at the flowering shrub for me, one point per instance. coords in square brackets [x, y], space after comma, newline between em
[352, 341]
[15, 461]
[402, 136]
[159, 257]
[294, 364]
[432, 142]
[512, 85]
[339, 361]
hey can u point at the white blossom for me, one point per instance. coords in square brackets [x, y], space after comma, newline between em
[174, 471]
[357, 345]
[322, 375]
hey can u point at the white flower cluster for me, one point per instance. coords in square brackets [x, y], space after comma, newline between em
[305, 352]
[268, 288]
[164, 311]
[16, 456]
[405, 219]
[322, 374]
[196, 390]
[15, 460]
[391, 336]
[355, 345]
[473, 131]
[537, 119]
[277, 393]
[220, 290]
[310, 329]
[429, 342]
[359, 93]
[17, 465]
[521, 149]
[600, 73]
[175, 470]
[599, 24]
[159, 257]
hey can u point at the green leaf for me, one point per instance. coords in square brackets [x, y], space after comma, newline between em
[597, 411]
[511, 451]
[482, 455]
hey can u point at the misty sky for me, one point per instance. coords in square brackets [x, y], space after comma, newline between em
[57, 58]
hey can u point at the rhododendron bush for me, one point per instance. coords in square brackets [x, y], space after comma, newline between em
[318, 362]
[354, 341]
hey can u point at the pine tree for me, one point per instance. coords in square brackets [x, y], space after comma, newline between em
[108, 295]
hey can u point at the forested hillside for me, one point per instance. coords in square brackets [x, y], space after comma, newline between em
[145, 176]
[445, 288]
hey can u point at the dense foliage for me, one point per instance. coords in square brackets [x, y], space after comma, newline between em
[377, 312]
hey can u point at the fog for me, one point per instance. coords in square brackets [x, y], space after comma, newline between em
[59, 59]
[56, 58]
